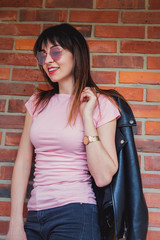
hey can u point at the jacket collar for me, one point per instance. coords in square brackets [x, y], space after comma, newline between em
[127, 118]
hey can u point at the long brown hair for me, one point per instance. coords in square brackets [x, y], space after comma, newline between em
[71, 39]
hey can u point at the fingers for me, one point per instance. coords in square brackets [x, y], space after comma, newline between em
[88, 93]
[90, 90]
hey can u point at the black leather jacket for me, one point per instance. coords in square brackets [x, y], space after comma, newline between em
[122, 207]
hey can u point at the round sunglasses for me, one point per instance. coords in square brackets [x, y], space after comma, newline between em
[55, 54]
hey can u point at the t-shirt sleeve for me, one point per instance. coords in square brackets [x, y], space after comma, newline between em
[30, 105]
[105, 112]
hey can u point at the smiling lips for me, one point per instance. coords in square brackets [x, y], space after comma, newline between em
[52, 70]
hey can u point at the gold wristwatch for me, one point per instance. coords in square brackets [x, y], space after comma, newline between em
[90, 139]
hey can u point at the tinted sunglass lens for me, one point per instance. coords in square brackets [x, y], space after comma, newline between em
[41, 57]
[55, 53]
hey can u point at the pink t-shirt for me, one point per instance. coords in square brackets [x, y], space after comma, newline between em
[61, 172]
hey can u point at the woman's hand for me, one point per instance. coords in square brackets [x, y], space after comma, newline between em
[88, 101]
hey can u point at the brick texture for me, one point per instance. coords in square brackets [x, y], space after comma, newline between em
[121, 4]
[153, 95]
[103, 61]
[25, 44]
[69, 3]
[153, 32]
[6, 43]
[154, 4]
[4, 73]
[141, 17]
[21, 3]
[152, 128]
[43, 15]
[152, 163]
[124, 42]
[139, 77]
[102, 46]
[153, 63]
[8, 15]
[120, 31]
[94, 16]
[19, 29]
[140, 47]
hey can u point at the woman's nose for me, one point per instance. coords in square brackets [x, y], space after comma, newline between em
[49, 58]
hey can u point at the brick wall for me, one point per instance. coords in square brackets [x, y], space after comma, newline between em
[123, 37]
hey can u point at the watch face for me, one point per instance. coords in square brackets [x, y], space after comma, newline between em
[85, 140]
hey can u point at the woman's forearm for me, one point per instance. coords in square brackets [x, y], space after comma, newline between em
[18, 190]
[100, 162]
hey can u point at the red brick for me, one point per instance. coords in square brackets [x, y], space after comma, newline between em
[94, 16]
[151, 180]
[19, 29]
[17, 105]
[44, 86]
[153, 32]
[108, 61]
[2, 105]
[152, 128]
[0, 137]
[102, 77]
[121, 4]
[23, 59]
[153, 95]
[85, 30]
[6, 43]
[69, 4]
[130, 94]
[25, 44]
[152, 199]
[146, 111]
[8, 155]
[154, 4]
[11, 121]
[44, 15]
[148, 145]
[16, 89]
[4, 227]
[137, 130]
[119, 31]
[154, 219]
[6, 15]
[5, 208]
[153, 63]
[102, 46]
[21, 3]
[23, 74]
[6, 173]
[4, 73]
[139, 77]
[140, 47]
[152, 163]
[153, 235]
[141, 17]
[12, 138]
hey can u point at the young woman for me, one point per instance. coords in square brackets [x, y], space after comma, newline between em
[71, 128]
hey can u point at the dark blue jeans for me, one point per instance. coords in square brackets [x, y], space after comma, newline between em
[75, 221]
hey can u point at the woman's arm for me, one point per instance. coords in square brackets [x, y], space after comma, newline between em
[101, 155]
[20, 177]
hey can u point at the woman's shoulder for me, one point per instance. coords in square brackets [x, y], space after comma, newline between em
[104, 99]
